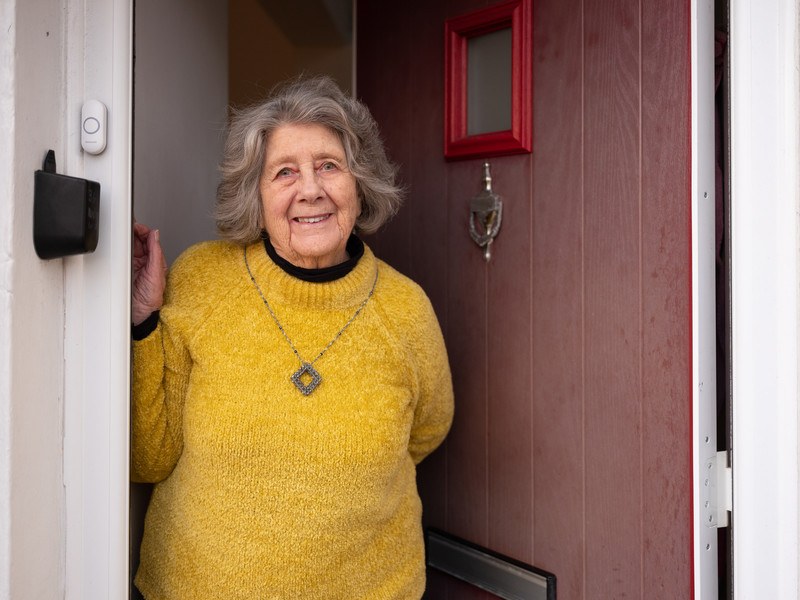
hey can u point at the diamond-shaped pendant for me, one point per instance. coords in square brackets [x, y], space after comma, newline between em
[306, 388]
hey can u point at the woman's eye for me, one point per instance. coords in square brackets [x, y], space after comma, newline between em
[285, 172]
[328, 166]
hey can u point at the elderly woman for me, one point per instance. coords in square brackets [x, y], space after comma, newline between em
[286, 382]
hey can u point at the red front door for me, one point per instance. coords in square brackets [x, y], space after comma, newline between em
[571, 348]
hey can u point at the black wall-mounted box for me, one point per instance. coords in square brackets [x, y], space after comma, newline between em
[66, 213]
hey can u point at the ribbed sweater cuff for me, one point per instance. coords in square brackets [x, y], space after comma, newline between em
[146, 327]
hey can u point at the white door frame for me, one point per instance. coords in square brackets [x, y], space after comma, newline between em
[97, 323]
[765, 303]
[704, 395]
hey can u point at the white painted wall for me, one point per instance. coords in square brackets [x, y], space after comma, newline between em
[31, 306]
[180, 107]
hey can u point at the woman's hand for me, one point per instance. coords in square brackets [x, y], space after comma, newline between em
[149, 273]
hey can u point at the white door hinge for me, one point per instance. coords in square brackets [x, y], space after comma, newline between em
[717, 485]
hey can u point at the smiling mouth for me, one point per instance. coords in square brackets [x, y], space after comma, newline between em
[311, 219]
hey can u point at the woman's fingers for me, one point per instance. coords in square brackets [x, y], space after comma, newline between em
[140, 229]
[156, 261]
[149, 273]
[140, 232]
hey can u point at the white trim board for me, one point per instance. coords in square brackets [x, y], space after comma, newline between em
[764, 303]
[704, 414]
[97, 348]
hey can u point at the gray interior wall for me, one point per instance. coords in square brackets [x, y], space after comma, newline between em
[180, 107]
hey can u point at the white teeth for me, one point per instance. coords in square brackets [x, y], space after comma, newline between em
[309, 219]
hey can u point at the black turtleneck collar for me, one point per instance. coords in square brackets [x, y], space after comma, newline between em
[355, 250]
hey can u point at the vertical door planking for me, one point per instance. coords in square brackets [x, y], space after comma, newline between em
[509, 385]
[557, 309]
[598, 273]
[666, 299]
[612, 332]
[467, 508]
[428, 210]
[468, 466]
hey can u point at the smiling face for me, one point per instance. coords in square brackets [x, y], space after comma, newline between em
[309, 197]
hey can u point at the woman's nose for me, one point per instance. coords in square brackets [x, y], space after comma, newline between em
[310, 188]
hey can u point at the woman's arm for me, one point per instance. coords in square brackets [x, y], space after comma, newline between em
[160, 367]
[434, 410]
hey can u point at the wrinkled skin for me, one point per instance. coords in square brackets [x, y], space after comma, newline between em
[149, 273]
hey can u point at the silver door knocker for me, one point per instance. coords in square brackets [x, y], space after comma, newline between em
[487, 209]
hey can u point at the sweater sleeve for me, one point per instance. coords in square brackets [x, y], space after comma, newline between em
[160, 377]
[434, 409]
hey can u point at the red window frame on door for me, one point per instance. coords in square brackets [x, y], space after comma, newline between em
[517, 140]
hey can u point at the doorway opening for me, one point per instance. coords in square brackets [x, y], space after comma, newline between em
[192, 60]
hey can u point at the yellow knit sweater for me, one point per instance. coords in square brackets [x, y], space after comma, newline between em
[263, 492]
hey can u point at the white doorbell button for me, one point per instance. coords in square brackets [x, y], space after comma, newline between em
[93, 126]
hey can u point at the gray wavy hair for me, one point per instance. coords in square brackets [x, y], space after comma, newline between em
[316, 100]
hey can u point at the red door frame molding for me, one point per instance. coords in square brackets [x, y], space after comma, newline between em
[517, 140]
